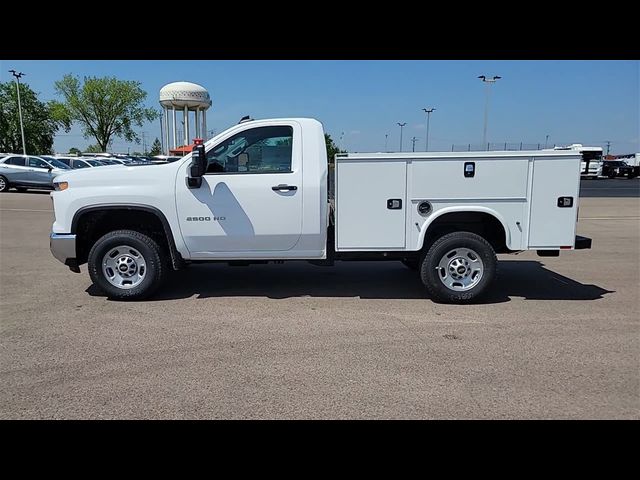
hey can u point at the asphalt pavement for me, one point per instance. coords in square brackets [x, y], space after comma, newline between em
[610, 187]
[557, 338]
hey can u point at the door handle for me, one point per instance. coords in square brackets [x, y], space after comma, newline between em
[284, 188]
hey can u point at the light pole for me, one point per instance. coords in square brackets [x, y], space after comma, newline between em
[488, 82]
[428, 111]
[18, 75]
[386, 138]
[401, 125]
[413, 143]
[546, 141]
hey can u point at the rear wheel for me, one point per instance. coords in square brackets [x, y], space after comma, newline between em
[4, 184]
[458, 268]
[127, 265]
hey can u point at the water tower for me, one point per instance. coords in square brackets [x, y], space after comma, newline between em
[186, 97]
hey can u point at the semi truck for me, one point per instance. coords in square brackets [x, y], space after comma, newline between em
[259, 192]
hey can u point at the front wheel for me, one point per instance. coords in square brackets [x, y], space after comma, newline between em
[4, 184]
[127, 265]
[459, 268]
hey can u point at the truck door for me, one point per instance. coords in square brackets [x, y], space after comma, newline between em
[250, 199]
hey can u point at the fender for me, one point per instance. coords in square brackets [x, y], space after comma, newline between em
[464, 208]
[176, 258]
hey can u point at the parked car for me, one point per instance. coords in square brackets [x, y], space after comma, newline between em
[21, 173]
[617, 168]
[165, 158]
[75, 163]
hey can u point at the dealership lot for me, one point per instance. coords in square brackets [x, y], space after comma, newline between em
[558, 338]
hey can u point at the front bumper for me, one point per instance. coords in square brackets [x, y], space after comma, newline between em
[63, 247]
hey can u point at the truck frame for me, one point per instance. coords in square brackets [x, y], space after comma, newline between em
[261, 192]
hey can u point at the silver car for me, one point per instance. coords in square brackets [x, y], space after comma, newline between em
[76, 162]
[23, 172]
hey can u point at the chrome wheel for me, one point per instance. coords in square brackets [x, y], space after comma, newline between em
[3, 184]
[124, 267]
[460, 269]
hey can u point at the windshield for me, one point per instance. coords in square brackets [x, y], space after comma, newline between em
[57, 163]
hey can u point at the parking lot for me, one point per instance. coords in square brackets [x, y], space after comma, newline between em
[558, 337]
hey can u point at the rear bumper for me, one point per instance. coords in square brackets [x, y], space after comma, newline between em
[63, 247]
[582, 243]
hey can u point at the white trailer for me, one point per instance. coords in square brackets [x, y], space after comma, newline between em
[258, 192]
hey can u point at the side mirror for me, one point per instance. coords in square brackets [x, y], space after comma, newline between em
[198, 167]
[49, 168]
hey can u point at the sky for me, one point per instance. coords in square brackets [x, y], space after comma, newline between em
[359, 102]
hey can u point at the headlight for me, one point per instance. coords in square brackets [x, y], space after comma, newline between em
[59, 186]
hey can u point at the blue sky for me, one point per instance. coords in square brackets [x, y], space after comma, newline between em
[586, 102]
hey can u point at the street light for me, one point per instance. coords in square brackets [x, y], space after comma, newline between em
[19, 75]
[428, 111]
[413, 143]
[386, 138]
[546, 141]
[401, 125]
[488, 82]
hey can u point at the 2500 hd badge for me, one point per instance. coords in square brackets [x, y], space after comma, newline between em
[205, 219]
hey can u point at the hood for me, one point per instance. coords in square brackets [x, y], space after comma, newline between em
[118, 175]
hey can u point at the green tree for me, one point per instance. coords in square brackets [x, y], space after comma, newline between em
[40, 124]
[156, 148]
[103, 107]
[332, 148]
[94, 149]
[75, 151]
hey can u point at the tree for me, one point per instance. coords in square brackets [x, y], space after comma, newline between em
[40, 124]
[94, 149]
[75, 151]
[103, 107]
[156, 148]
[332, 148]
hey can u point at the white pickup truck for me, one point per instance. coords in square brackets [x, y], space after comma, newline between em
[260, 192]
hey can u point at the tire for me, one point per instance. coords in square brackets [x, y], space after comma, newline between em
[464, 287]
[411, 263]
[4, 184]
[144, 263]
[612, 175]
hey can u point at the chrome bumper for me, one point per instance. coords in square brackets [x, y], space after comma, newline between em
[63, 247]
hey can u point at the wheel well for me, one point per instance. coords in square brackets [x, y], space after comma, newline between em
[93, 224]
[480, 223]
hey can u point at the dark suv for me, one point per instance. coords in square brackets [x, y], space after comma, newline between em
[617, 168]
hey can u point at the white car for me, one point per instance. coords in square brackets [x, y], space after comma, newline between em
[23, 172]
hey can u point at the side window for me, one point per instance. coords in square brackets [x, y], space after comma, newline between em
[38, 163]
[79, 164]
[66, 161]
[258, 150]
[16, 161]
